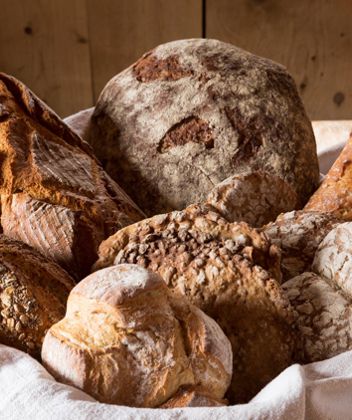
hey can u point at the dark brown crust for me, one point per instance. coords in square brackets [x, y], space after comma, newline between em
[55, 195]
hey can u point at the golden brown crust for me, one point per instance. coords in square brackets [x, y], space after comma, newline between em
[335, 193]
[226, 269]
[55, 195]
[126, 339]
[33, 294]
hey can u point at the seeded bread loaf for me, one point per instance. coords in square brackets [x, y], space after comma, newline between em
[335, 193]
[54, 194]
[298, 235]
[229, 270]
[190, 114]
[33, 294]
[323, 316]
[127, 339]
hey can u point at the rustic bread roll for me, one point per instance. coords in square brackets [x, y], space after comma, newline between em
[333, 259]
[323, 318]
[54, 194]
[126, 339]
[190, 114]
[193, 397]
[227, 270]
[298, 235]
[335, 193]
[255, 198]
[33, 294]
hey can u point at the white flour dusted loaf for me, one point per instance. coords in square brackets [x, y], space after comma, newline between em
[192, 113]
[127, 339]
[323, 317]
[55, 196]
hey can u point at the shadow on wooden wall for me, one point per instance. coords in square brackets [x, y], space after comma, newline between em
[66, 50]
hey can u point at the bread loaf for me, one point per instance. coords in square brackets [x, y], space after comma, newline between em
[323, 318]
[33, 294]
[255, 198]
[298, 234]
[227, 270]
[126, 339]
[335, 193]
[54, 194]
[190, 114]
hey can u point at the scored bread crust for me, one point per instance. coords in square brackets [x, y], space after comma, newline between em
[227, 270]
[55, 196]
[149, 343]
[298, 235]
[33, 294]
[323, 316]
[191, 113]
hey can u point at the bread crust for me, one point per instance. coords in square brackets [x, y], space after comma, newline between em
[55, 195]
[230, 271]
[126, 339]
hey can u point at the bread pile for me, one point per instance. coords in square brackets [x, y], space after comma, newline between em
[192, 292]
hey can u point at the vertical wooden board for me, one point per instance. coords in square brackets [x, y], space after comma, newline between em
[121, 31]
[44, 43]
[313, 39]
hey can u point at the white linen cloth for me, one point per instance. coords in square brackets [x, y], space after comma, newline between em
[320, 390]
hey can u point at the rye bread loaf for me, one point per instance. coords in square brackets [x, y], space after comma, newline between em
[191, 113]
[229, 270]
[323, 316]
[127, 339]
[298, 235]
[335, 192]
[33, 294]
[55, 196]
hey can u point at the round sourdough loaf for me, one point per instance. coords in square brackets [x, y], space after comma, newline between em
[33, 294]
[191, 113]
[127, 339]
[230, 271]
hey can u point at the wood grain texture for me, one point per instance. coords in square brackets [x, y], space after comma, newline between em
[45, 44]
[121, 31]
[313, 39]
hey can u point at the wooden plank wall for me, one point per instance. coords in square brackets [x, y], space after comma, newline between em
[66, 50]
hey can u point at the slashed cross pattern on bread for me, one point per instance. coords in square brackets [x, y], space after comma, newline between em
[54, 194]
[230, 271]
[150, 342]
[190, 114]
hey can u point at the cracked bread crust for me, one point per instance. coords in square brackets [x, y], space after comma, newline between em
[298, 235]
[217, 109]
[149, 342]
[227, 270]
[323, 317]
[54, 193]
[33, 294]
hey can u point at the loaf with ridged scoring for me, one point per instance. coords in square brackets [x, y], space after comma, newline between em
[55, 196]
[127, 339]
[229, 270]
[191, 113]
[33, 294]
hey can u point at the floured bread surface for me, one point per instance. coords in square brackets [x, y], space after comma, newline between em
[298, 234]
[323, 318]
[33, 294]
[333, 259]
[127, 339]
[54, 194]
[256, 198]
[191, 113]
[229, 270]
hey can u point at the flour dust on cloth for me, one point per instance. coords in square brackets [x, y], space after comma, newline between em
[320, 390]
[317, 391]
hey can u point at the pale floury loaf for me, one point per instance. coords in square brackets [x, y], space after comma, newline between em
[229, 270]
[127, 339]
[190, 114]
